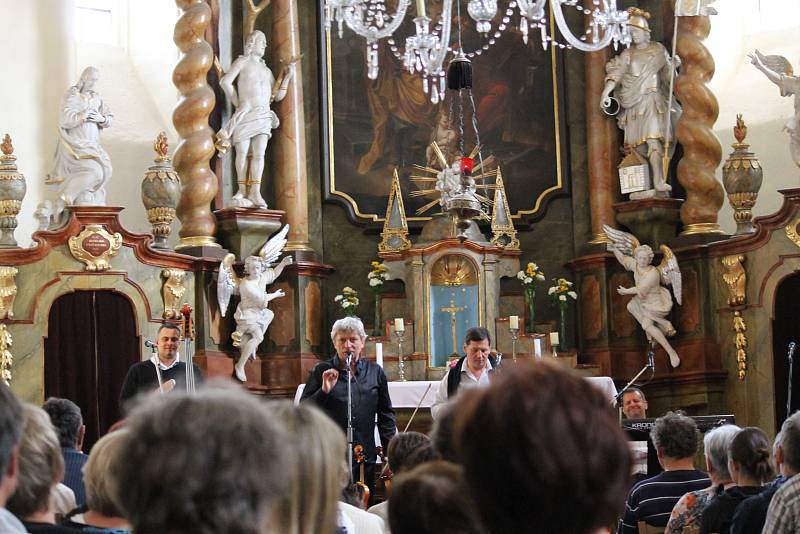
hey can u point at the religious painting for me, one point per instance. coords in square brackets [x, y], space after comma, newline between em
[454, 306]
[372, 127]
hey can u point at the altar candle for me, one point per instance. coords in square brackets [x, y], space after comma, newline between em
[379, 354]
[420, 8]
[513, 322]
[399, 325]
[554, 338]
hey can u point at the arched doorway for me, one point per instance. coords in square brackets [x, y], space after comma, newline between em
[91, 342]
[784, 331]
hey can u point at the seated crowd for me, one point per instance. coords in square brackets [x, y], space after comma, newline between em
[533, 451]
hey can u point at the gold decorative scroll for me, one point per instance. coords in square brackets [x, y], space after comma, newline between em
[791, 231]
[172, 292]
[735, 278]
[6, 358]
[8, 291]
[95, 247]
[740, 342]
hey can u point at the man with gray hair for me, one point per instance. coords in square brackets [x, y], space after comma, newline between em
[370, 391]
[783, 514]
[11, 422]
[651, 500]
[68, 422]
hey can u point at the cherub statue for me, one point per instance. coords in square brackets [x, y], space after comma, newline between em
[651, 302]
[447, 182]
[779, 71]
[252, 316]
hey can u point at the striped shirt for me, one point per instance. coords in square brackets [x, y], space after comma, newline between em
[652, 499]
[783, 515]
[74, 461]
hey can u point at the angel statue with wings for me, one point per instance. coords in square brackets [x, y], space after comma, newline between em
[651, 302]
[253, 315]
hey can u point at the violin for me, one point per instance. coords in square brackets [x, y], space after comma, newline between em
[386, 471]
[187, 333]
[363, 489]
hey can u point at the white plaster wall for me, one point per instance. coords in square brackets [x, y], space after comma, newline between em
[136, 82]
[772, 26]
[36, 40]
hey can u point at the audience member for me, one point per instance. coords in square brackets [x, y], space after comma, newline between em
[403, 445]
[164, 370]
[715, 447]
[634, 404]
[103, 514]
[783, 514]
[752, 512]
[309, 506]
[68, 422]
[652, 500]
[542, 433]
[474, 369]
[750, 468]
[370, 393]
[212, 462]
[434, 498]
[11, 422]
[41, 466]
[441, 433]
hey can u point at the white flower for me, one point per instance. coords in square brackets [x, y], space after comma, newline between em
[337, 298]
[532, 266]
[345, 304]
[552, 290]
[521, 275]
[375, 282]
[568, 283]
[562, 297]
[355, 302]
[573, 295]
[347, 289]
[371, 274]
[540, 277]
[528, 280]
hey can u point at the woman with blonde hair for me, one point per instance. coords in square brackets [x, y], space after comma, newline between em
[315, 479]
[103, 513]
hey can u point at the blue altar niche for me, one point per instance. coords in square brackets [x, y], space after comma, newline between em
[454, 306]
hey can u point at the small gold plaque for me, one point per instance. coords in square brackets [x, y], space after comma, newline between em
[95, 247]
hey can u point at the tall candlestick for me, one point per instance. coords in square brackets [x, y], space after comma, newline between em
[379, 354]
[513, 322]
[399, 324]
[420, 8]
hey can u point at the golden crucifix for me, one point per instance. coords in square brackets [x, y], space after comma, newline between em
[453, 310]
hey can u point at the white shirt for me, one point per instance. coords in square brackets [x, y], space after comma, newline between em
[468, 380]
[157, 361]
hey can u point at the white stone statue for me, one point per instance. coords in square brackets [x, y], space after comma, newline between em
[640, 79]
[81, 167]
[250, 127]
[779, 71]
[651, 302]
[253, 315]
[448, 181]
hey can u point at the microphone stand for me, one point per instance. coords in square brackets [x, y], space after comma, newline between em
[349, 361]
[790, 356]
[650, 365]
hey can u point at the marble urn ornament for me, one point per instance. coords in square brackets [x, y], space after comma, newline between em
[12, 191]
[161, 189]
[742, 175]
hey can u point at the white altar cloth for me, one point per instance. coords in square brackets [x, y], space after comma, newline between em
[408, 394]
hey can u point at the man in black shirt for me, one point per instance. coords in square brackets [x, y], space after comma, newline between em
[327, 388]
[165, 371]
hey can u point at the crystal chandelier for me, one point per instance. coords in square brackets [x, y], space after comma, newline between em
[426, 51]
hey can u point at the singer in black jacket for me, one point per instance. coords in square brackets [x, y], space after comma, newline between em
[327, 388]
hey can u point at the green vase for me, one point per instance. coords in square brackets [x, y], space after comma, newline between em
[562, 327]
[530, 301]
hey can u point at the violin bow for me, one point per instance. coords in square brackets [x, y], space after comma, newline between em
[417, 408]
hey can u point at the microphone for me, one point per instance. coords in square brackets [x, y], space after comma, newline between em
[792, 346]
[149, 344]
[349, 355]
[651, 359]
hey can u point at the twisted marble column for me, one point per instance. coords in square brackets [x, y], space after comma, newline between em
[199, 184]
[289, 152]
[702, 151]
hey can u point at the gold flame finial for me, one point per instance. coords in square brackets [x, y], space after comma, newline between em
[740, 130]
[6, 146]
[161, 146]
